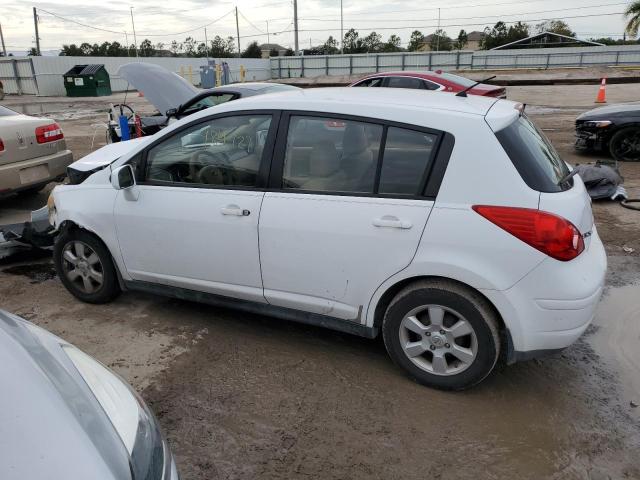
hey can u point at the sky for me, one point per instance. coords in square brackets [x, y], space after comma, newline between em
[164, 21]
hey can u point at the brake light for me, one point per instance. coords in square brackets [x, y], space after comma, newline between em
[48, 133]
[1, 145]
[544, 231]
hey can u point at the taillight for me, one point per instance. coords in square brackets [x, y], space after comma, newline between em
[1, 145]
[49, 133]
[544, 231]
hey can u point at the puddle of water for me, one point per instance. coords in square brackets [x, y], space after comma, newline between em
[618, 337]
[36, 272]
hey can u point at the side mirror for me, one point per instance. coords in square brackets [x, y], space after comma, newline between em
[172, 112]
[122, 177]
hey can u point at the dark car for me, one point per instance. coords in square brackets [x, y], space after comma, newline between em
[438, 81]
[615, 128]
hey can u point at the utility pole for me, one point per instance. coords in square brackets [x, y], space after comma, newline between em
[341, 30]
[438, 32]
[35, 23]
[135, 39]
[238, 32]
[268, 31]
[206, 44]
[4, 48]
[295, 25]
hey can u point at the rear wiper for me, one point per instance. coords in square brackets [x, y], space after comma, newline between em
[463, 93]
[567, 177]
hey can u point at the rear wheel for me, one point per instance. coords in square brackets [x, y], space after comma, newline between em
[625, 145]
[443, 334]
[85, 267]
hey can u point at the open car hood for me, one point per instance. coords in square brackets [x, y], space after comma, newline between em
[164, 89]
[106, 155]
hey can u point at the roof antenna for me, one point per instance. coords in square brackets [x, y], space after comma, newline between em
[463, 93]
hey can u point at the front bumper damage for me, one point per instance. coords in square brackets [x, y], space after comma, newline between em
[36, 234]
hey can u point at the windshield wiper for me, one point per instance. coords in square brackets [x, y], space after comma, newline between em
[463, 93]
[567, 177]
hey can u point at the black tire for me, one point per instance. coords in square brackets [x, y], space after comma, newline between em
[452, 297]
[624, 145]
[104, 292]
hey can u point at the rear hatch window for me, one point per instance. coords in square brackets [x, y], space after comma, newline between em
[533, 155]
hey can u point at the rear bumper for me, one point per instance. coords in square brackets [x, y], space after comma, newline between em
[13, 177]
[552, 306]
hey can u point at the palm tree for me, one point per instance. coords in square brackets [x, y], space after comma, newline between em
[633, 14]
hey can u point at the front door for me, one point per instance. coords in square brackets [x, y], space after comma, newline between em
[348, 212]
[193, 221]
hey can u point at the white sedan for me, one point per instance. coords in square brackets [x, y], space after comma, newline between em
[448, 223]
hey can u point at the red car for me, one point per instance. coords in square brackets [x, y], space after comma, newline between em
[427, 80]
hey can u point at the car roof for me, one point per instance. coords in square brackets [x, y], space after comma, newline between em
[249, 86]
[356, 101]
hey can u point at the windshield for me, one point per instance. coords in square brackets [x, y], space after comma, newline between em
[210, 101]
[465, 82]
[5, 112]
[534, 156]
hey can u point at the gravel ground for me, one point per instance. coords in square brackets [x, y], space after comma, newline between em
[247, 396]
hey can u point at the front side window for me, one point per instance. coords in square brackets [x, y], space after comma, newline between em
[533, 155]
[370, 82]
[404, 82]
[407, 154]
[331, 155]
[220, 152]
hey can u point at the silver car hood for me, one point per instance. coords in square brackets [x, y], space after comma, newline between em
[164, 89]
[51, 425]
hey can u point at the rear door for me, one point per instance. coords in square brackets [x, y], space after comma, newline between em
[346, 210]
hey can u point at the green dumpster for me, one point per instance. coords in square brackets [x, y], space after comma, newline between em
[87, 81]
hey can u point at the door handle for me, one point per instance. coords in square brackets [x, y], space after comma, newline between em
[391, 221]
[235, 210]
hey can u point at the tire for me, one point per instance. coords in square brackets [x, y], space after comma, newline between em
[85, 267]
[624, 145]
[464, 359]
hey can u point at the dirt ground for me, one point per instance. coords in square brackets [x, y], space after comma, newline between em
[247, 396]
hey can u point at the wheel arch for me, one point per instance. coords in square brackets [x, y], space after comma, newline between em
[507, 350]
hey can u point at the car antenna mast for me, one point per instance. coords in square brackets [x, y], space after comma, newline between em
[463, 93]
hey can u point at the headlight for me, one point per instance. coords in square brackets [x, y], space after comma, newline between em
[51, 209]
[129, 415]
[597, 123]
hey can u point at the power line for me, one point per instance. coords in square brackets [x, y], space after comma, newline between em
[78, 23]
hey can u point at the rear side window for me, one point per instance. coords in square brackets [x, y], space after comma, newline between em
[533, 155]
[404, 82]
[407, 154]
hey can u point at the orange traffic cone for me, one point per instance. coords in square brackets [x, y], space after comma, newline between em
[601, 98]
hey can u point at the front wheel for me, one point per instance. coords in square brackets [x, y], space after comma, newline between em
[85, 267]
[442, 334]
[625, 145]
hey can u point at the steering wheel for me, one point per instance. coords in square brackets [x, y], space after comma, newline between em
[196, 165]
[122, 107]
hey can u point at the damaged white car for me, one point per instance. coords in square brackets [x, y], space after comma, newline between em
[447, 223]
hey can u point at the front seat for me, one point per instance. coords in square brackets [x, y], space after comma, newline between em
[357, 163]
[324, 164]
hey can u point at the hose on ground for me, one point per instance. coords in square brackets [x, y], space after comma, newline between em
[628, 203]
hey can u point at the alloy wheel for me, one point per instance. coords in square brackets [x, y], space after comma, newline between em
[438, 340]
[82, 266]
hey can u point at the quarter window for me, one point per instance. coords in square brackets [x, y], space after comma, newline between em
[407, 154]
[370, 82]
[331, 155]
[222, 152]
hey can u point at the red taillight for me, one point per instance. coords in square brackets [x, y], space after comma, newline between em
[549, 233]
[1, 145]
[49, 133]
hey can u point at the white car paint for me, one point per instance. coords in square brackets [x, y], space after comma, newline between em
[325, 254]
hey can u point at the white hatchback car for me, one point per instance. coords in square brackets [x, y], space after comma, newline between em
[448, 223]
